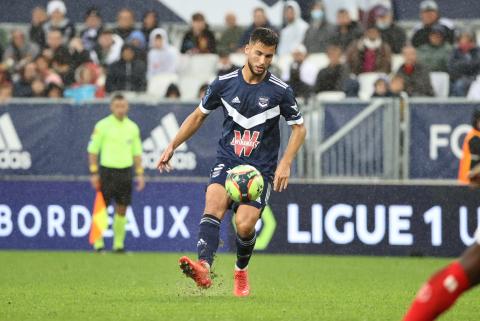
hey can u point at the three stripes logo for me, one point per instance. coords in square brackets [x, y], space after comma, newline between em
[12, 155]
[159, 138]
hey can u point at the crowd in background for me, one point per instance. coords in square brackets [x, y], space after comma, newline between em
[55, 60]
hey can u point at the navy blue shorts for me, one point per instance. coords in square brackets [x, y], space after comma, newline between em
[218, 174]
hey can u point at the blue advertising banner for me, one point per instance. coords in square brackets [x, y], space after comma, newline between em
[54, 142]
[436, 137]
[371, 220]
[57, 216]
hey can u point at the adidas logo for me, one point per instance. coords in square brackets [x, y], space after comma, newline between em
[159, 139]
[12, 155]
[236, 100]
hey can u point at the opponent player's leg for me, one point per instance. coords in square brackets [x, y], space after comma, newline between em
[216, 204]
[442, 289]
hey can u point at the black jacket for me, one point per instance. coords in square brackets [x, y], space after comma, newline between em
[129, 76]
[463, 64]
[395, 37]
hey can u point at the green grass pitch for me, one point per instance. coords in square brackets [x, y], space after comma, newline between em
[149, 286]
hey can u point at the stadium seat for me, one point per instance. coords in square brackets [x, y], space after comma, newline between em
[320, 60]
[283, 62]
[238, 58]
[195, 71]
[366, 81]
[397, 62]
[331, 96]
[157, 85]
[198, 65]
[440, 83]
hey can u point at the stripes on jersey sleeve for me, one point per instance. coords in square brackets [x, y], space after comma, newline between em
[289, 108]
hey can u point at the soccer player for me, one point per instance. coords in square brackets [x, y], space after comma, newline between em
[443, 288]
[117, 139]
[252, 100]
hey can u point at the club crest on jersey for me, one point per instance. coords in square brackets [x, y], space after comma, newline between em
[263, 102]
[246, 143]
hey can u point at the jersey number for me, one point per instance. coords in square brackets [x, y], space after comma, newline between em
[246, 143]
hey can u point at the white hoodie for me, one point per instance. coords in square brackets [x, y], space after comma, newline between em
[162, 60]
[292, 35]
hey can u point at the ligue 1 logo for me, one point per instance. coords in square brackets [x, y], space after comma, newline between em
[263, 102]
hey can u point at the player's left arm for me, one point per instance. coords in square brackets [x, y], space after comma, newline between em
[289, 110]
[282, 174]
[137, 160]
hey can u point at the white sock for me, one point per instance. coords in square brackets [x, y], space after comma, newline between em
[239, 269]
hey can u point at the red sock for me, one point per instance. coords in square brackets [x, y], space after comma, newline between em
[438, 294]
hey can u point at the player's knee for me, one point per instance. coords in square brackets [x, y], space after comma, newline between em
[245, 229]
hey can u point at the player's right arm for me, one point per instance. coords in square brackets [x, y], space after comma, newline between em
[189, 127]
[94, 147]
[192, 123]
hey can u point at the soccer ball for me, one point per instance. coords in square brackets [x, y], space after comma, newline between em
[244, 183]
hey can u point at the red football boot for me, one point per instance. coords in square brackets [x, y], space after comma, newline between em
[240, 283]
[197, 271]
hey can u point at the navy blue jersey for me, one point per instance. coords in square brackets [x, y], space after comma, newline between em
[251, 132]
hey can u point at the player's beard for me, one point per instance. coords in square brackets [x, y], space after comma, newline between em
[252, 70]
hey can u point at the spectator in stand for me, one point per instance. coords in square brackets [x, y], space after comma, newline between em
[19, 52]
[23, 86]
[397, 85]
[199, 39]
[39, 17]
[346, 30]
[108, 49]
[85, 87]
[78, 53]
[416, 76]
[6, 87]
[436, 52]
[93, 28]
[225, 65]
[57, 20]
[231, 36]
[430, 16]
[128, 73]
[62, 65]
[302, 74]
[292, 35]
[54, 91]
[39, 88]
[173, 92]
[335, 75]
[319, 31]
[45, 72]
[369, 53]
[55, 44]
[162, 58]
[149, 23]
[125, 23]
[382, 88]
[138, 41]
[260, 20]
[464, 64]
[392, 34]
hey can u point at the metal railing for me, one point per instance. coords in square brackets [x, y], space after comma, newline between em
[366, 146]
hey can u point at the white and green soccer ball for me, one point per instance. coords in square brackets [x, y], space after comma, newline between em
[244, 183]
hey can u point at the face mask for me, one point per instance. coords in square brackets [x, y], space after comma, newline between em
[382, 25]
[372, 44]
[316, 15]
